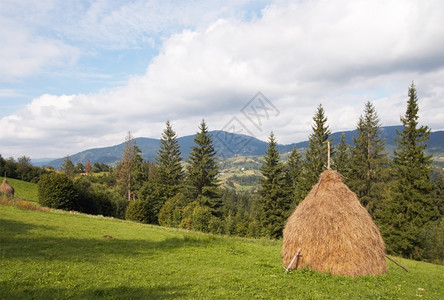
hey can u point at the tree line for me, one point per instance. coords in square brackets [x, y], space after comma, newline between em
[398, 193]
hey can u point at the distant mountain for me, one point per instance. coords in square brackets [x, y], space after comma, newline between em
[228, 145]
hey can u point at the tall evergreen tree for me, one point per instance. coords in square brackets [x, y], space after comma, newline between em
[201, 177]
[293, 174]
[410, 207]
[169, 168]
[341, 160]
[369, 165]
[273, 204]
[316, 154]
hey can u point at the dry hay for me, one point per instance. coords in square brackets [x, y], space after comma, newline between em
[335, 232]
[6, 188]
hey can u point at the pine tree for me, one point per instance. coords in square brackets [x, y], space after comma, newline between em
[169, 167]
[368, 164]
[410, 207]
[317, 153]
[342, 158]
[293, 175]
[274, 203]
[201, 177]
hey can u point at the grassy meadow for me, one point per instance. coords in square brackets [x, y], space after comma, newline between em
[58, 255]
[24, 190]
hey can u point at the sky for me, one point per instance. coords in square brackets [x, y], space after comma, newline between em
[76, 75]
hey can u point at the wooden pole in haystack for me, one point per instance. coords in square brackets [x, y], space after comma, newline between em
[328, 163]
[292, 261]
[397, 263]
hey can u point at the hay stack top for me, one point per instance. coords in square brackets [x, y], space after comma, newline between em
[334, 231]
[6, 188]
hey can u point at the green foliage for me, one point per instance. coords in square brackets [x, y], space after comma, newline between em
[200, 217]
[411, 206]
[274, 202]
[171, 212]
[202, 172]
[139, 211]
[169, 174]
[22, 169]
[56, 190]
[151, 192]
[293, 176]
[68, 167]
[368, 173]
[341, 161]
[86, 198]
[432, 242]
[316, 154]
[95, 198]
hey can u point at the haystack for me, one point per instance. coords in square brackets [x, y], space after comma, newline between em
[6, 188]
[334, 232]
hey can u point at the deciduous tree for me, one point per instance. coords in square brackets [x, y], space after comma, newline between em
[68, 167]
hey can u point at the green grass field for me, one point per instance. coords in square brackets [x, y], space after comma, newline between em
[58, 255]
[24, 190]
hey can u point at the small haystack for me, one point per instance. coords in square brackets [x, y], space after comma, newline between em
[334, 232]
[6, 188]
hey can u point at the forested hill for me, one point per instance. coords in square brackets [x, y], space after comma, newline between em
[228, 145]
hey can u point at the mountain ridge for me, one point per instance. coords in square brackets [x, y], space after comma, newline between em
[228, 145]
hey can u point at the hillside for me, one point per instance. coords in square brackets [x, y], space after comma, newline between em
[228, 145]
[24, 190]
[59, 255]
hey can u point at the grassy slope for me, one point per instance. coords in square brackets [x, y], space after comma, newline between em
[24, 190]
[61, 255]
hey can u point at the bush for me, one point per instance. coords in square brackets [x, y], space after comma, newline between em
[87, 202]
[171, 213]
[200, 218]
[216, 225]
[432, 238]
[56, 190]
[139, 211]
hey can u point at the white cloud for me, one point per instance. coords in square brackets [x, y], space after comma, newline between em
[299, 54]
[23, 54]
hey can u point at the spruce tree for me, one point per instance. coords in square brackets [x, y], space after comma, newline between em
[410, 207]
[316, 154]
[273, 204]
[201, 177]
[169, 168]
[293, 174]
[368, 165]
[341, 160]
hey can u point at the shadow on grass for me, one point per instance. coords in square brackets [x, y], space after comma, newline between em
[120, 292]
[11, 228]
[14, 245]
